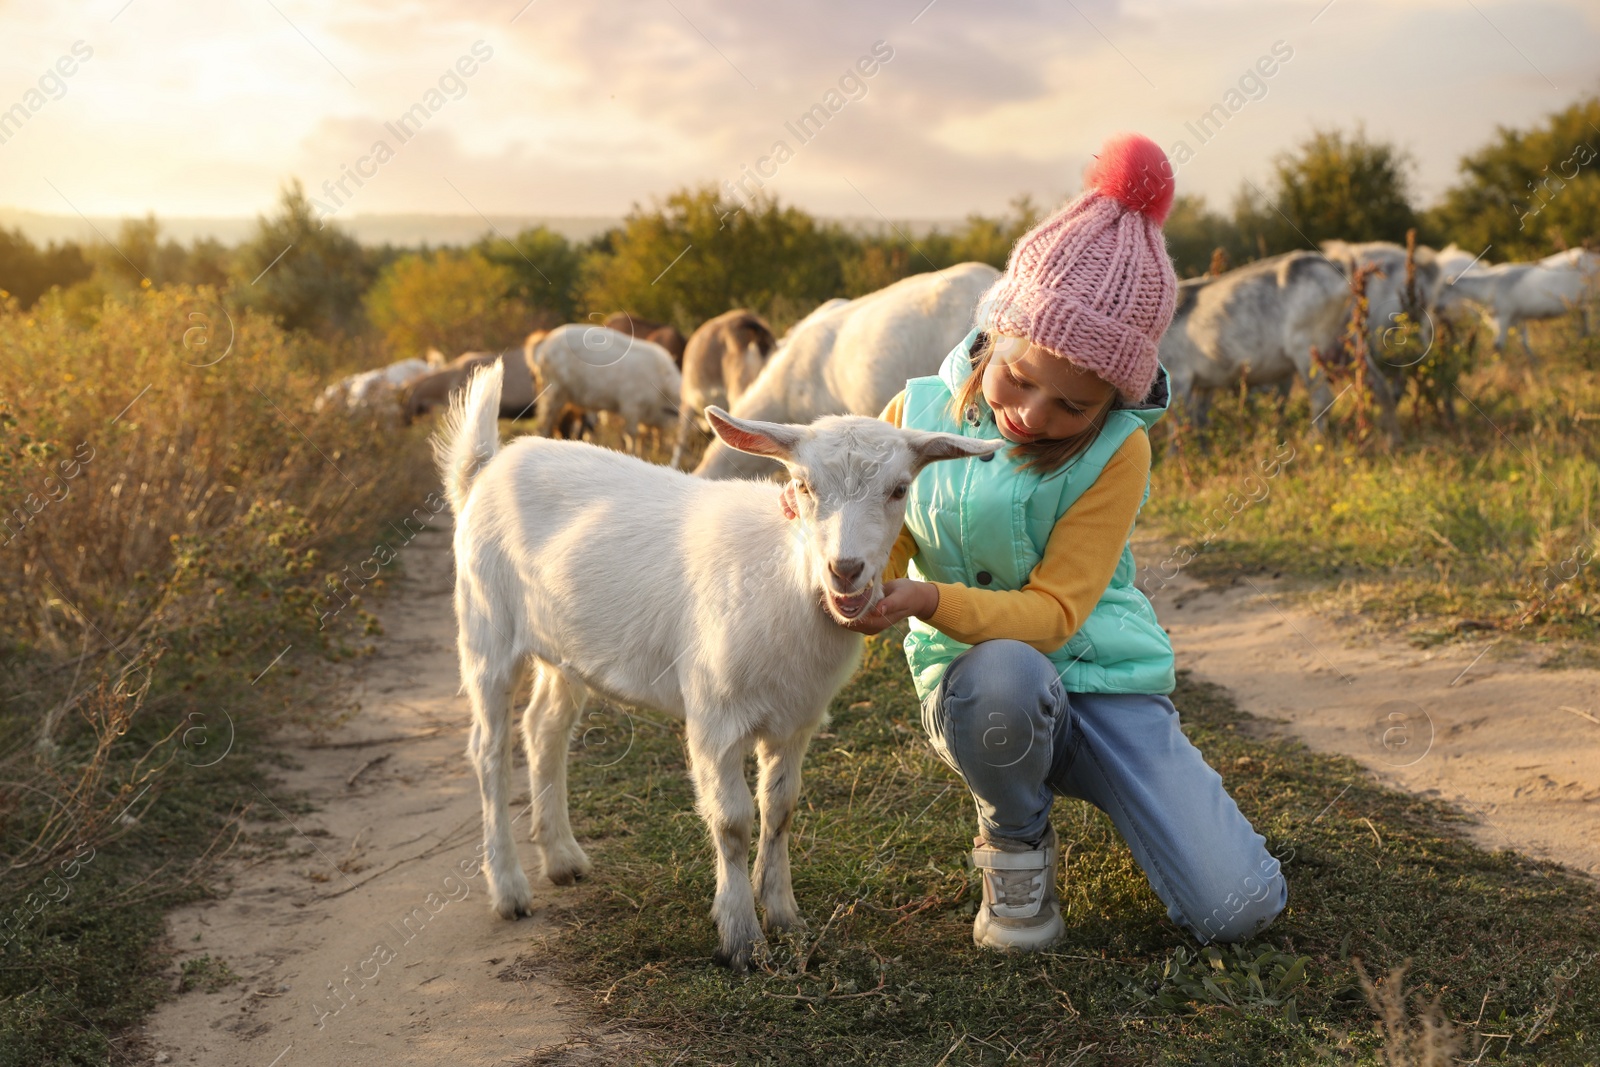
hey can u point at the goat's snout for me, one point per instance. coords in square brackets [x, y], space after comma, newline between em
[846, 572]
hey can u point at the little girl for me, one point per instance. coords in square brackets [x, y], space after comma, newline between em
[1040, 666]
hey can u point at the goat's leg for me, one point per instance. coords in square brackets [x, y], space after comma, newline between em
[1280, 404]
[779, 791]
[724, 802]
[1179, 400]
[1322, 399]
[1200, 417]
[547, 409]
[489, 686]
[1388, 405]
[546, 730]
[686, 417]
[639, 419]
[1522, 331]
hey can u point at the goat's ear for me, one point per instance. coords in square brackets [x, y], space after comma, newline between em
[775, 439]
[932, 447]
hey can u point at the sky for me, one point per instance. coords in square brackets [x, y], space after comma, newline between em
[546, 108]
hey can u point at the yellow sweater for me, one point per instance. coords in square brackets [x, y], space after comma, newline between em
[1067, 582]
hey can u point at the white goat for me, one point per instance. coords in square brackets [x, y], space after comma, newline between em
[1514, 293]
[854, 358]
[374, 387]
[1578, 259]
[816, 313]
[1453, 260]
[648, 586]
[723, 357]
[600, 369]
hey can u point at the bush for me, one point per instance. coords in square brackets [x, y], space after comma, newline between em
[545, 267]
[307, 275]
[1194, 232]
[215, 468]
[1334, 186]
[453, 301]
[27, 273]
[696, 256]
[1528, 192]
[875, 260]
[168, 510]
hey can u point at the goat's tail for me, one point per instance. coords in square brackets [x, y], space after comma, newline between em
[469, 436]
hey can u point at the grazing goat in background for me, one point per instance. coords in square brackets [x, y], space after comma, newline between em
[723, 358]
[433, 391]
[641, 584]
[374, 388]
[1386, 292]
[1258, 324]
[598, 369]
[1582, 260]
[1514, 293]
[855, 358]
[668, 337]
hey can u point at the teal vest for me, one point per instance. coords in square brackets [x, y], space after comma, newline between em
[970, 517]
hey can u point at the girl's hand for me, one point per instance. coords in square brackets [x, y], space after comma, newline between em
[902, 598]
[786, 501]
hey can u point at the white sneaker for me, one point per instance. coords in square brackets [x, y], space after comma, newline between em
[1019, 909]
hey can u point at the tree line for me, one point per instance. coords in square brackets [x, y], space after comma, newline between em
[695, 254]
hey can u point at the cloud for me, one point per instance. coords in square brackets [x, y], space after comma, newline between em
[587, 109]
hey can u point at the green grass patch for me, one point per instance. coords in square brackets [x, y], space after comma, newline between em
[888, 973]
[83, 956]
[206, 973]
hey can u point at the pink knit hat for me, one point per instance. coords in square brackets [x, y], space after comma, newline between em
[1093, 283]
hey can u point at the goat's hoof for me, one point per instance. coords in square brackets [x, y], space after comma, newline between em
[515, 904]
[783, 923]
[735, 950]
[736, 959]
[512, 910]
[511, 896]
[566, 864]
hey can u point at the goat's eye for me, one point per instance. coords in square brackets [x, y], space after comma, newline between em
[802, 487]
[898, 493]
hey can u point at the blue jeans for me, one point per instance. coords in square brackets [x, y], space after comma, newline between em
[1000, 718]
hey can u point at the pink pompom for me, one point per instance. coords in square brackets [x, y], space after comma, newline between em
[1132, 168]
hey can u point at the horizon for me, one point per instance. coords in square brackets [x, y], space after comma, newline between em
[398, 228]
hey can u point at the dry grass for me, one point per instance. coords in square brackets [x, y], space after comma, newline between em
[1483, 524]
[135, 479]
[175, 523]
[1426, 1039]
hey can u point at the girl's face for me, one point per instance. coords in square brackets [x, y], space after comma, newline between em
[1036, 395]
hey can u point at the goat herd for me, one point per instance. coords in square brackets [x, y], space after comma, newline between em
[847, 356]
[583, 571]
[1258, 324]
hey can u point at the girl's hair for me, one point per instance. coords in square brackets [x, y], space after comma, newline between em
[1046, 456]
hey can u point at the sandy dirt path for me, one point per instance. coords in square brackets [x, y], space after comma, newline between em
[372, 942]
[1483, 728]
